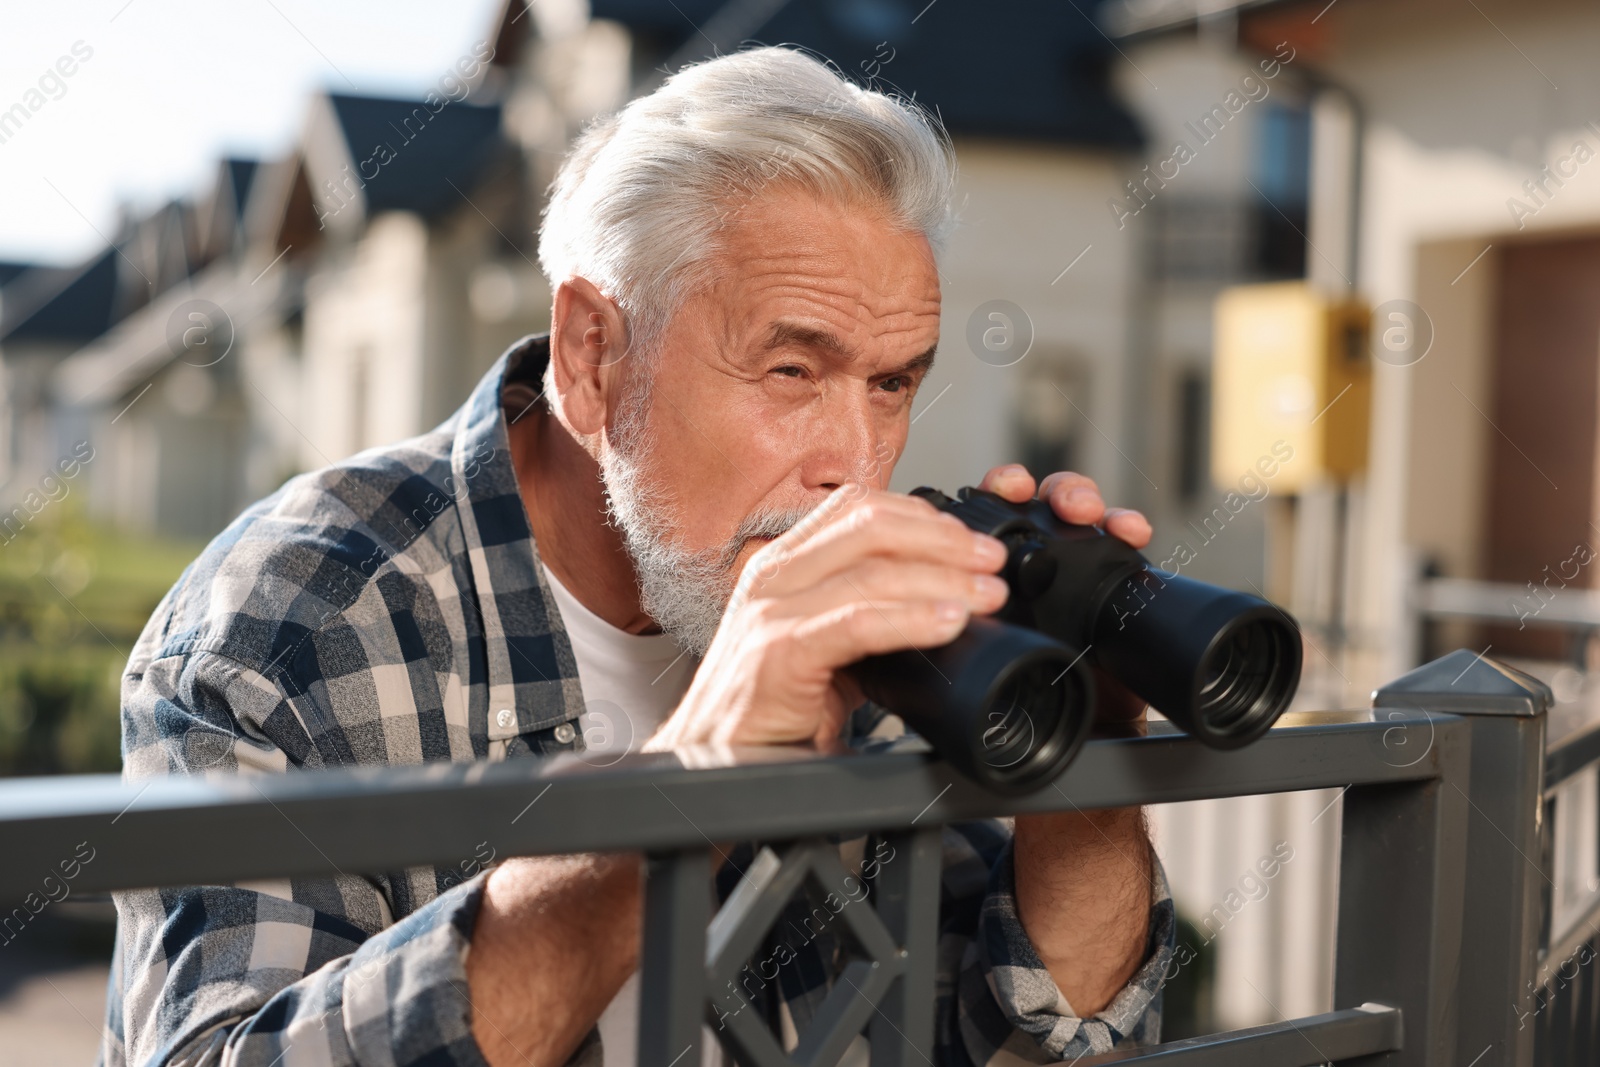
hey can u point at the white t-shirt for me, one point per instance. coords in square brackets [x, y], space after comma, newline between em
[630, 685]
[631, 682]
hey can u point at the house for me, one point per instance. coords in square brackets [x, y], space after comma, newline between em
[371, 277]
[333, 313]
[46, 313]
[158, 393]
[1472, 240]
[1448, 184]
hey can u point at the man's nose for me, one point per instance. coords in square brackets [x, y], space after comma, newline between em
[844, 446]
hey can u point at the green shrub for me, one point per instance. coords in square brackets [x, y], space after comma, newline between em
[73, 598]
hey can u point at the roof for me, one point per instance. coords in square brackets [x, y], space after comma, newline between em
[414, 153]
[1010, 68]
[1125, 19]
[61, 303]
[241, 172]
[128, 354]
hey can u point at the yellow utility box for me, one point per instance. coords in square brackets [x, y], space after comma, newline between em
[1291, 367]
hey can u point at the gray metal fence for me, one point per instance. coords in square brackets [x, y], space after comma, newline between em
[1445, 954]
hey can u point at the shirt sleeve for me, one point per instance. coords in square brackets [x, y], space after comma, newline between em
[997, 1001]
[222, 975]
[312, 971]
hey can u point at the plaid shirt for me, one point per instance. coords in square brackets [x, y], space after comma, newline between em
[390, 609]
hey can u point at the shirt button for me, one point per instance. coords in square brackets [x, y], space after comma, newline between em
[505, 718]
[565, 733]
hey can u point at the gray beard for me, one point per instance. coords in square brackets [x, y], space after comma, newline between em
[685, 592]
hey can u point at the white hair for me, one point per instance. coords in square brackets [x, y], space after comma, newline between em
[637, 205]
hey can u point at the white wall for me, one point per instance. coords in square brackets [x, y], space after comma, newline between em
[1445, 151]
[365, 305]
[1026, 214]
[1458, 118]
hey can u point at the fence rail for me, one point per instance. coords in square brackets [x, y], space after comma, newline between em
[1458, 805]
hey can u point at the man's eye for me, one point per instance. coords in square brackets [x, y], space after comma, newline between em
[894, 385]
[789, 371]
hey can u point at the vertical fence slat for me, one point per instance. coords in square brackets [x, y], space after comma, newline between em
[1546, 857]
[672, 965]
[1591, 1008]
[1402, 866]
[1582, 998]
[908, 903]
[1544, 1032]
[1561, 1010]
[1508, 901]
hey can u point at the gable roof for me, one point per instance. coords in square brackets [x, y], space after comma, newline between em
[1131, 19]
[61, 303]
[1008, 68]
[241, 173]
[407, 155]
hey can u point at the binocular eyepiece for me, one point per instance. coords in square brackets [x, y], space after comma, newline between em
[1011, 700]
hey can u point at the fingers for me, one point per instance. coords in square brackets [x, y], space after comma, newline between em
[861, 628]
[1076, 498]
[1011, 481]
[1073, 497]
[1128, 525]
[837, 504]
[882, 580]
[880, 524]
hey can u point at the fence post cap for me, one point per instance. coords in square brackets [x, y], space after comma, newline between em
[1464, 682]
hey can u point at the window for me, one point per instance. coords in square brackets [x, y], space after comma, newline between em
[1281, 171]
[1193, 428]
[1051, 414]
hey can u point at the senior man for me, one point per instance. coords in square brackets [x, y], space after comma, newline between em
[746, 302]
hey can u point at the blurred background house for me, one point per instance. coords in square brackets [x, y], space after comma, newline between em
[1126, 167]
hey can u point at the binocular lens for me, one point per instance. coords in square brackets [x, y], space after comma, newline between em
[1006, 705]
[1022, 722]
[1248, 678]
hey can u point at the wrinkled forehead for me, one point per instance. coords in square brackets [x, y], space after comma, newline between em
[793, 267]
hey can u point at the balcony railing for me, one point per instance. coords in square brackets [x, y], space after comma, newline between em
[1444, 952]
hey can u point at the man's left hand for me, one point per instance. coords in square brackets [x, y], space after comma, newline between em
[1084, 878]
[1075, 498]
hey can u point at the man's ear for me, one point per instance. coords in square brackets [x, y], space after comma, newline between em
[588, 343]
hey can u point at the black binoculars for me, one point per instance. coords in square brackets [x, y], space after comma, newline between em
[1011, 700]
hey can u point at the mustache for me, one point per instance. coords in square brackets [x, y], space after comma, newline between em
[763, 523]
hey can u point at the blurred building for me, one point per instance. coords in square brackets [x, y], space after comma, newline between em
[332, 312]
[46, 314]
[169, 424]
[1449, 186]
[349, 295]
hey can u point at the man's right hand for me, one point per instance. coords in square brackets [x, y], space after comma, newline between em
[868, 572]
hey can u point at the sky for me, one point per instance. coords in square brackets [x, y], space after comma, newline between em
[170, 86]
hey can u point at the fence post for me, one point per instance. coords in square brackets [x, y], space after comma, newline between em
[1502, 910]
[672, 964]
[908, 903]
